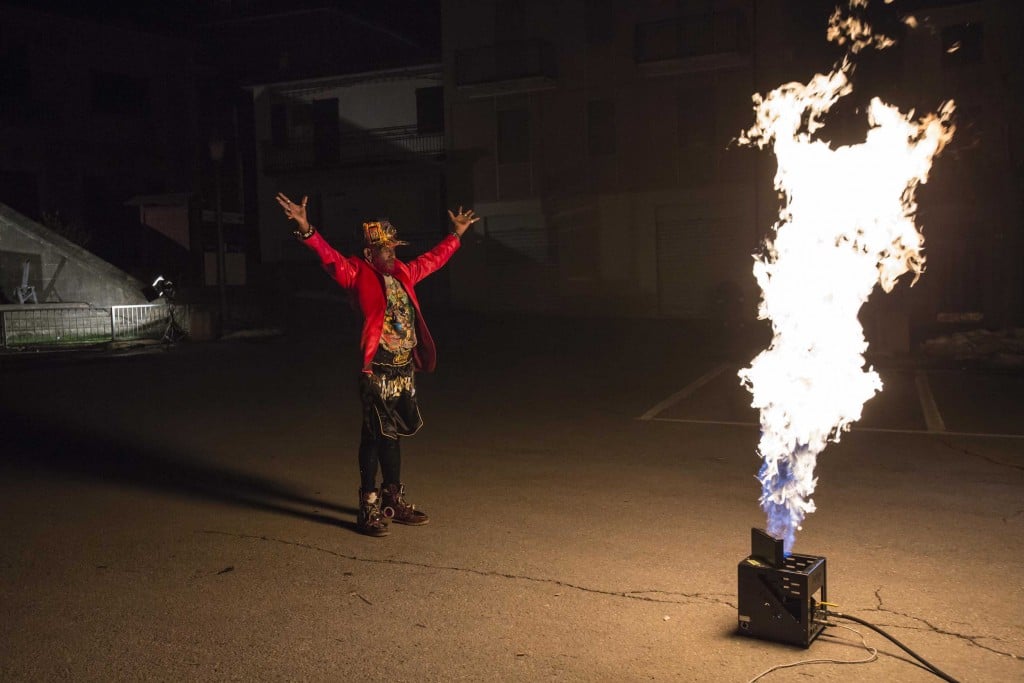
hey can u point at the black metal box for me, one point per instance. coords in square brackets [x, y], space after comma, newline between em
[779, 596]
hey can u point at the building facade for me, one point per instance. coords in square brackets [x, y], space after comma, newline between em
[972, 209]
[360, 146]
[91, 116]
[596, 138]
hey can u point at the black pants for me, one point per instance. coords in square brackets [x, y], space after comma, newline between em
[390, 411]
[378, 451]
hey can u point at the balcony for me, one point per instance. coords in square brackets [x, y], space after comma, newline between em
[504, 68]
[705, 42]
[397, 144]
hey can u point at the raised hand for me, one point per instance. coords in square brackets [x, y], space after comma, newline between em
[462, 220]
[295, 212]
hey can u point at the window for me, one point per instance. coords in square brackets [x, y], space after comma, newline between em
[430, 110]
[509, 20]
[690, 36]
[696, 35]
[600, 21]
[600, 128]
[279, 124]
[513, 136]
[656, 41]
[14, 73]
[119, 94]
[962, 45]
[696, 135]
[326, 130]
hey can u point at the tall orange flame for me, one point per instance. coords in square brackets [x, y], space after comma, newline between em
[846, 224]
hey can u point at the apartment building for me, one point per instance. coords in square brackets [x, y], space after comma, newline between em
[596, 137]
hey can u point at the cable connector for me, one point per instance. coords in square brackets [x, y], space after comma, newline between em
[822, 613]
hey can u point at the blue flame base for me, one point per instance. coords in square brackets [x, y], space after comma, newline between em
[782, 520]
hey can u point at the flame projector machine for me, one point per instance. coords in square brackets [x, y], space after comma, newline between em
[780, 597]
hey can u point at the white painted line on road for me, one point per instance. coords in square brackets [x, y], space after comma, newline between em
[685, 391]
[729, 423]
[932, 416]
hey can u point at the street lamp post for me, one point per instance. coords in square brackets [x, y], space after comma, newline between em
[217, 155]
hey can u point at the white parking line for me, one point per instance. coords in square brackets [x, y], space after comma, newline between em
[730, 423]
[932, 416]
[685, 391]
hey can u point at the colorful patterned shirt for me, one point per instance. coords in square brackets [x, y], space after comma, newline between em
[398, 338]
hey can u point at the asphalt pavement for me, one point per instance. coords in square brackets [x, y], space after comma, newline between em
[187, 513]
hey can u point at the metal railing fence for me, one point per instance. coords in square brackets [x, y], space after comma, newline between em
[54, 324]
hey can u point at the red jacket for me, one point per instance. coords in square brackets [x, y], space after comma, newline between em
[357, 274]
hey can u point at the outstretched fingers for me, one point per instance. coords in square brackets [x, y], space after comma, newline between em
[291, 209]
[283, 200]
[463, 216]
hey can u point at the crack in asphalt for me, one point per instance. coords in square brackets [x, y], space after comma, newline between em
[641, 595]
[967, 451]
[973, 640]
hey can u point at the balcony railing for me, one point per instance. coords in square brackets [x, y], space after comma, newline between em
[706, 39]
[506, 64]
[353, 148]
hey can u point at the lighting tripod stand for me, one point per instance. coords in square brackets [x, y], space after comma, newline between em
[164, 288]
[173, 331]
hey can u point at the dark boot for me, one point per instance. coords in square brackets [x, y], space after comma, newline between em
[399, 511]
[370, 521]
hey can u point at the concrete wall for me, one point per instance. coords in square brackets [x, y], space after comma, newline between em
[60, 271]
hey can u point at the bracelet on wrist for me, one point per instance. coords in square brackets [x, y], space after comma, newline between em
[457, 235]
[304, 235]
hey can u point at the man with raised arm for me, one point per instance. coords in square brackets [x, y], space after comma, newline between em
[395, 344]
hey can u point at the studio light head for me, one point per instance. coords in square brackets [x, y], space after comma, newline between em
[161, 287]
